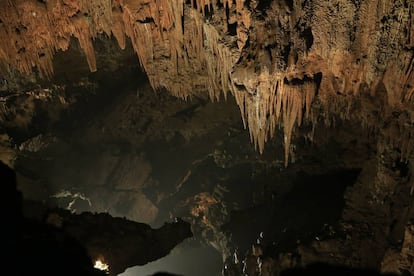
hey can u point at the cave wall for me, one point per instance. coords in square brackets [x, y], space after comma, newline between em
[287, 64]
[58, 242]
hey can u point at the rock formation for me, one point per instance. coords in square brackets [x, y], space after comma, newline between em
[273, 56]
[337, 76]
[57, 242]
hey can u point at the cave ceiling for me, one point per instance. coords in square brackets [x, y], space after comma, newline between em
[279, 59]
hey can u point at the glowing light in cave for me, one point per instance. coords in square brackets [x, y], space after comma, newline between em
[101, 265]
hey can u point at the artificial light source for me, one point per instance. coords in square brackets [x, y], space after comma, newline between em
[101, 265]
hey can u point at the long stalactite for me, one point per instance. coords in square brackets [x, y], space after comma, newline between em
[275, 67]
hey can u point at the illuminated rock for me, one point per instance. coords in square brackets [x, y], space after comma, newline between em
[291, 54]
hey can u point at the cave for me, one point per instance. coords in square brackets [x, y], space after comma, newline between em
[158, 137]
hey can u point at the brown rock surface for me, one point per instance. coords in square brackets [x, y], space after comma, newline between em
[337, 76]
[280, 55]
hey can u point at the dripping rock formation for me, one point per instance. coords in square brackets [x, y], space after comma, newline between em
[273, 56]
[139, 108]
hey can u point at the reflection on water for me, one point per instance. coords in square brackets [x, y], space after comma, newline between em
[187, 259]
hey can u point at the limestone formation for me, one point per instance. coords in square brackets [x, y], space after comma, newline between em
[275, 57]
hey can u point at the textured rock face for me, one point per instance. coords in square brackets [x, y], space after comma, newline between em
[398, 261]
[121, 243]
[57, 242]
[273, 56]
[342, 70]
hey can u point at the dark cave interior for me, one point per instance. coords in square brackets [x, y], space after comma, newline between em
[230, 137]
[123, 150]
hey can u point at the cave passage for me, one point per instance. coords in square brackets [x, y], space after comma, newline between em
[149, 157]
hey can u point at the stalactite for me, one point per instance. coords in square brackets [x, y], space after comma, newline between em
[268, 102]
[186, 51]
[82, 33]
[118, 28]
[399, 80]
[294, 100]
[220, 60]
[151, 39]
